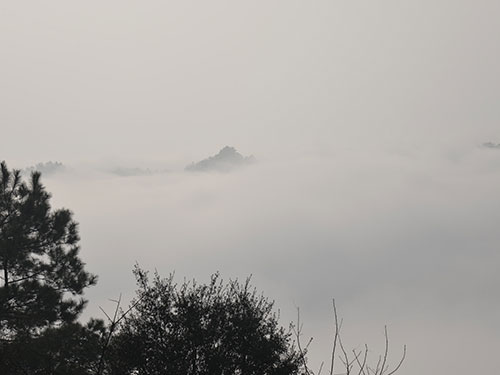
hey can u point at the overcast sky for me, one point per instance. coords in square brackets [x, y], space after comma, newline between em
[366, 120]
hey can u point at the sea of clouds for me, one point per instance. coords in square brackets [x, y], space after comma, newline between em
[404, 239]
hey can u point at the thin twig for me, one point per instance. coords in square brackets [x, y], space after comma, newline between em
[321, 367]
[335, 337]
[114, 323]
[382, 369]
[400, 362]
[301, 351]
[362, 365]
[347, 364]
[378, 364]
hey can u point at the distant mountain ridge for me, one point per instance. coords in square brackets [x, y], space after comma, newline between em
[227, 159]
[491, 145]
[136, 171]
[47, 168]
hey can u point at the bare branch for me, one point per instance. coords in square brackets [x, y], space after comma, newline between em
[362, 365]
[382, 369]
[297, 333]
[335, 337]
[114, 323]
[321, 367]
[107, 316]
[346, 362]
[400, 362]
[378, 365]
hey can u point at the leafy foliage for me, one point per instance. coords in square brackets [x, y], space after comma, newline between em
[201, 329]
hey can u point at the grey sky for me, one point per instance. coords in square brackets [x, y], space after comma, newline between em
[366, 118]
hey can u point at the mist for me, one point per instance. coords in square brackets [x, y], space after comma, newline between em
[373, 182]
[407, 241]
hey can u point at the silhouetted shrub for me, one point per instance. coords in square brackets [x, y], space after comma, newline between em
[201, 329]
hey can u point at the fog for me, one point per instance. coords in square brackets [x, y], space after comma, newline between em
[374, 128]
[407, 241]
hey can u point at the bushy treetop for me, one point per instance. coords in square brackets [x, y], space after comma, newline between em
[213, 328]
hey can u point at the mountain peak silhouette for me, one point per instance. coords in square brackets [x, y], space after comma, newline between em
[225, 160]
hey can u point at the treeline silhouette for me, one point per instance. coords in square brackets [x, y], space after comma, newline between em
[188, 328]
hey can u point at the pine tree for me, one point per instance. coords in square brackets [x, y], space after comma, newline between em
[42, 278]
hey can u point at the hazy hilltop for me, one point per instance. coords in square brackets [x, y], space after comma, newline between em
[227, 159]
[491, 145]
[136, 171]
[46, 169]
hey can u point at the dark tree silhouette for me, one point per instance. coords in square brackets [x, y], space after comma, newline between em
[201, 329]
[42, 277]
[71, 349]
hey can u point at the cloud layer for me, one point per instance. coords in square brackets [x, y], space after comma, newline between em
[408, 241]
